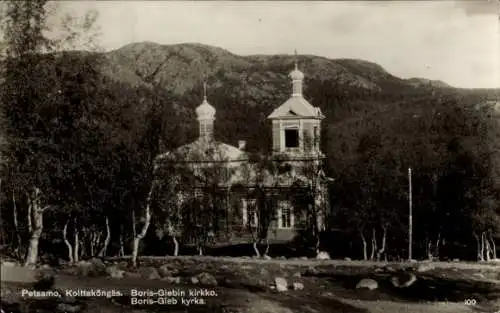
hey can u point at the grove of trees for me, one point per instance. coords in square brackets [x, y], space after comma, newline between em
[78, 176]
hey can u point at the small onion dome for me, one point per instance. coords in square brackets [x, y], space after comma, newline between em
[296, 74]
[205, 111]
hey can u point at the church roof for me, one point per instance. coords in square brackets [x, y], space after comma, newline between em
[205, 151]
[205, 111]
[296, 106]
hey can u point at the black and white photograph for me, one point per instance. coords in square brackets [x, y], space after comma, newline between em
[250, 156]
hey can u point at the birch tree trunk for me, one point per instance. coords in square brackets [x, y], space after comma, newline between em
[102, 253]
[479, 252]
[487, 252]
[482, 246]
[35, 222]
[493, 246]
[436, 248]
[16, 222]
[147, 220]
[256, 249]
[365, 252]
[384, 241]
[67, 243]
[374, 244]
[76, 249]
[267, 247]
[176, 245]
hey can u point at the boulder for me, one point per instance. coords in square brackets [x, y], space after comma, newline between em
[297, 274]
[404, 280]
[298, 286]
[347, 259]
[194, 280]
[281, 284]
[207, 279]
[311, 271]
[367, 283]
[267, 257]
[322, 255]
[164, 270]
[114, 272]
[98, 265]
[149, 273]
[303, 258]
[94, 267]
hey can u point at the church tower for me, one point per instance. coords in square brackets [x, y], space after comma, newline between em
[296, 124]
[206, 116]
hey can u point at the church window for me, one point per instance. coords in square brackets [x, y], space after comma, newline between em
[249, 214]
[291, 138]
[316, 137]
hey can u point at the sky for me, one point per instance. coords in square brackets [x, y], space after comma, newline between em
[457, 42]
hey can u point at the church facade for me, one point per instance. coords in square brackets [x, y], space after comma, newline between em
[290, 178]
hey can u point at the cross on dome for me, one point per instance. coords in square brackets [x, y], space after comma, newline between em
[296, 74]
[205, 111]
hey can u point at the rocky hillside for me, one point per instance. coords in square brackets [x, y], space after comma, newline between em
[182, 67]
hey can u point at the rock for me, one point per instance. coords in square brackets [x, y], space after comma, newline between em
[98, 265]
[149, 273]
[404, 280]
[207, 279]
[267, 257]
[347, 259]
[311, 271]
[389, 269]
[164, 270]
[194, 280]
[298, 286]
[328, 294]
[424, 267]
[172, 280]
[83, 268]
[303, 258]
[322, 255]
[367, 283]
[114, 272]
[94, 267]
[68, 308]
[281, 258]
[281, 284]
[297, 274]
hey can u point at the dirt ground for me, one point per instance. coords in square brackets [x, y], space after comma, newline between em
[329, 286]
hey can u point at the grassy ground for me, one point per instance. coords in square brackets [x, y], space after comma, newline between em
[329, 286]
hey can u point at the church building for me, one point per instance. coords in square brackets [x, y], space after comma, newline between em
[234, 175]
